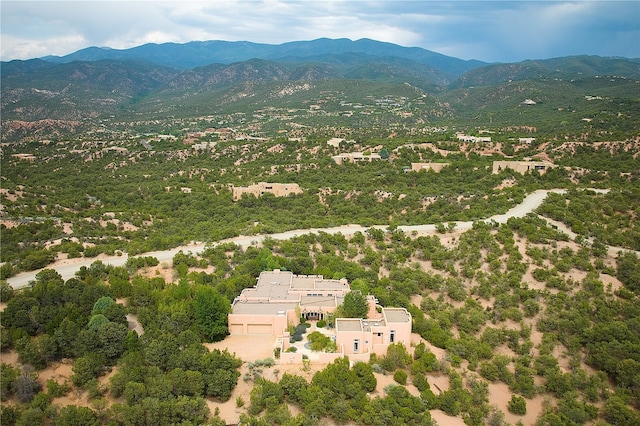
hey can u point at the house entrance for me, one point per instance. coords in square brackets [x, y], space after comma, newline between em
[313, 316]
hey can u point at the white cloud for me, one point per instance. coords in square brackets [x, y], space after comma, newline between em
[492, 31]
[23, 48]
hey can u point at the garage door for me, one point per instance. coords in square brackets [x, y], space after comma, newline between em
[236, 328]
[260, 329]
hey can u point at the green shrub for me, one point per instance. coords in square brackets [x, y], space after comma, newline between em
[517, 405]
[400, 376]
[267, 362]
[56, 389]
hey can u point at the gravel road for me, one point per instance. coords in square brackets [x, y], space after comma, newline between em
[68, 268]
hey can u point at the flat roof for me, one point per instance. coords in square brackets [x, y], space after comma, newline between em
[316, 282]
[271, 285]
[331, 284]
[304, 282]
[348, 324]
[258, 308]
[279, 277]
[396, 315]
[318, 301]
[267, 292]
[279, 290]
[378, 322]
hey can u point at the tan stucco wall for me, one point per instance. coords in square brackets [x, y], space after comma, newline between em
[277, 189]
[355, 157]
[345, 341]
[522, 166]
[279, 323]
[436, 167]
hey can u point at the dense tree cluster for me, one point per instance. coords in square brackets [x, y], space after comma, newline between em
[164, 375]
[340, 392]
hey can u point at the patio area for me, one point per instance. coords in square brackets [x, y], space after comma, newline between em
[304, 346]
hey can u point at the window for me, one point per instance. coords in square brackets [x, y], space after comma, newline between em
[392, 336]
[356, 345]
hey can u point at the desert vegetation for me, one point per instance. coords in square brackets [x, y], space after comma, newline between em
[498, 309]
[527, 320]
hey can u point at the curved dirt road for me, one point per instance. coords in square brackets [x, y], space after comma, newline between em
[68, 268]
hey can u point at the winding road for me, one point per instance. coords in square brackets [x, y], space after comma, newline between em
[68, 268]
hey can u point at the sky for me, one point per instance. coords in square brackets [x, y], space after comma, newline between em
[491, 31]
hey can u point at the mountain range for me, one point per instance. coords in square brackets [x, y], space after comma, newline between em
[94, 82]
[200, 53]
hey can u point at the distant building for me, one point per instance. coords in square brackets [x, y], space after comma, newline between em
[475, 139]
[335, 142]
[355, 157]
[25, 157]
[522, 166]
[118, 149]
[526, 140]
[436, 167]
[277, 189]
[203, 146]
[166, 137]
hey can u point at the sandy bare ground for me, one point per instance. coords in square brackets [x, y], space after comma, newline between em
[500, 395]
[251, 349]
[443, 419]
[10, 358]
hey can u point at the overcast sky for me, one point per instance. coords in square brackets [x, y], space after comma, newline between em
[492, 31]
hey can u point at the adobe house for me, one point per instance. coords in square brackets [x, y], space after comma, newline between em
[27, 157]
[355, 157]
[335, 142]
[280, 298]
[526, 140]
[475, 139]
[373, 335]
[522, 167]
[436, 167]
[277, 189]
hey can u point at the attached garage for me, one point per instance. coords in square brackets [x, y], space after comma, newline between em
[259, 329]
[260, 317]
[236, 328]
